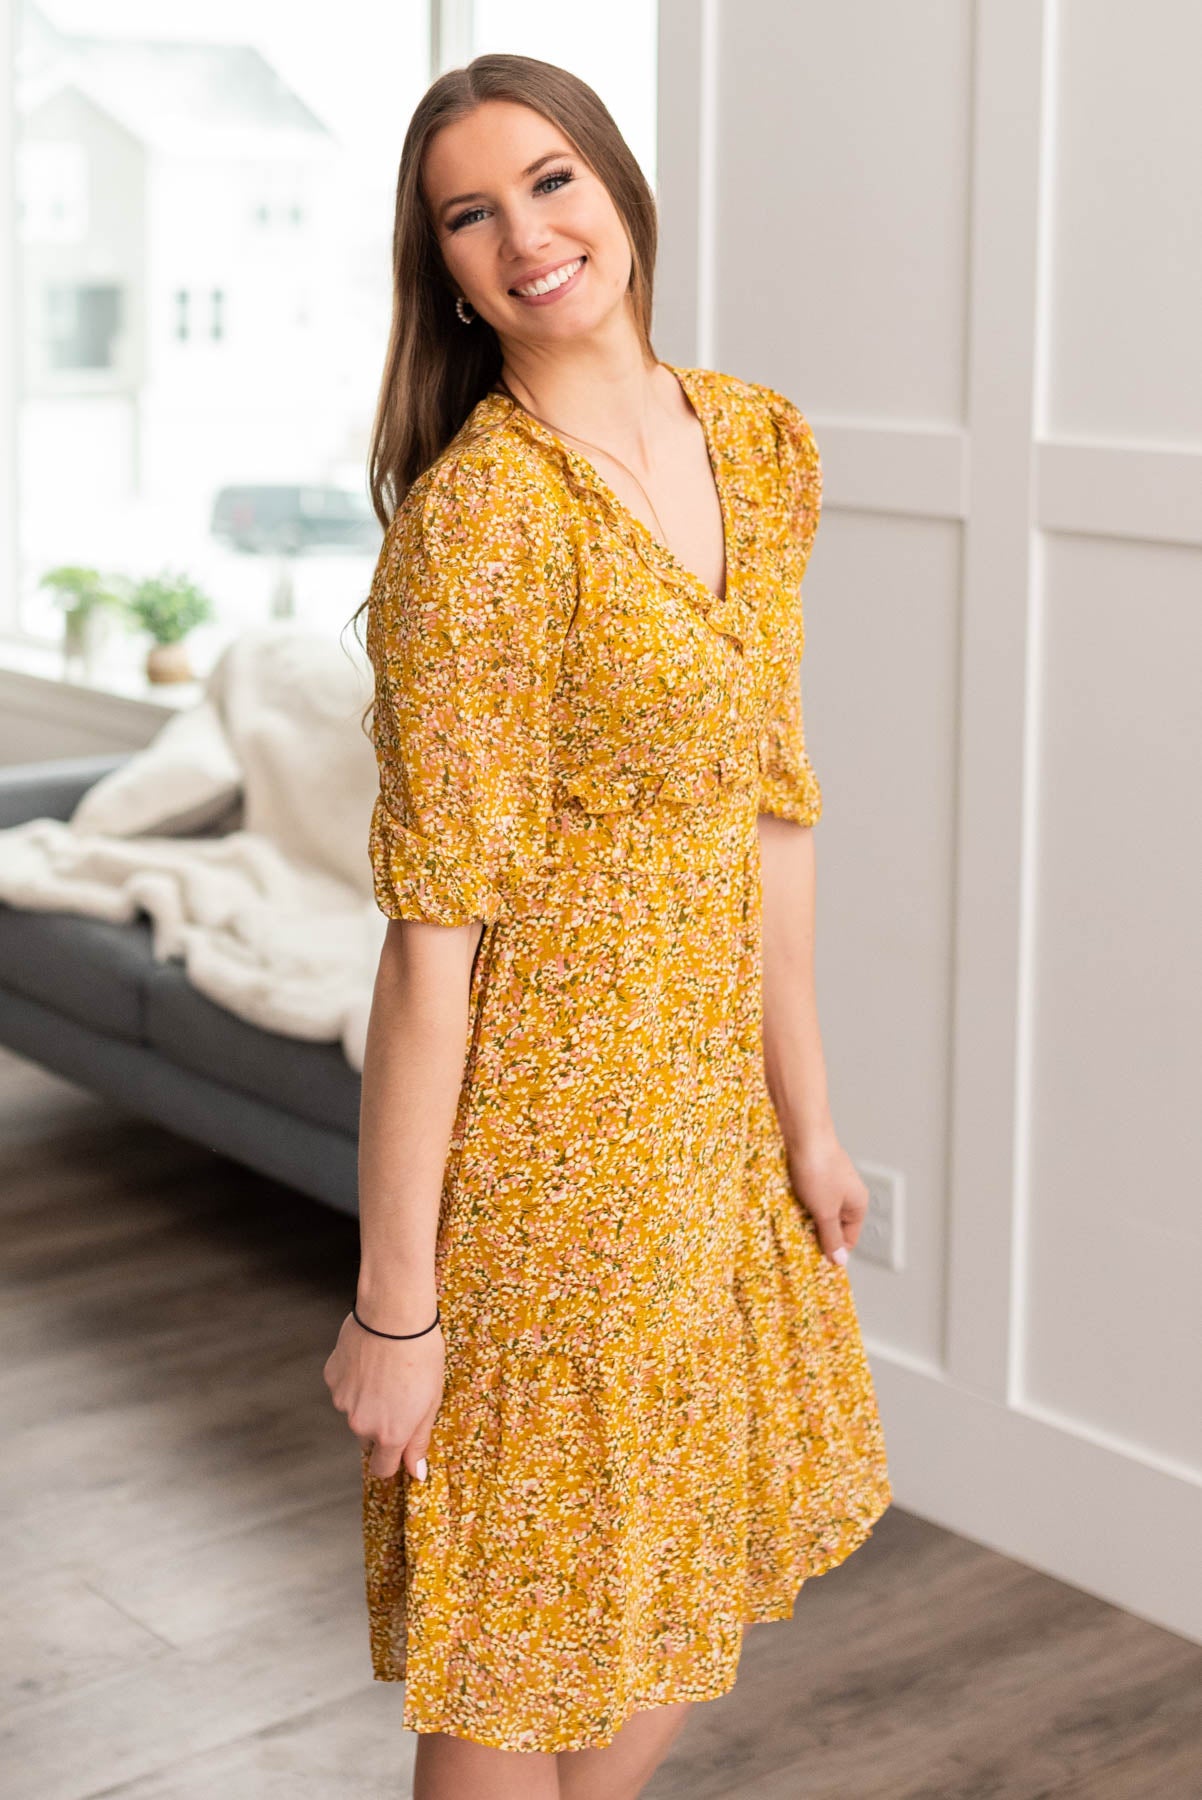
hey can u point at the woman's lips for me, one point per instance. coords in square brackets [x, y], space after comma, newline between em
[565, 287]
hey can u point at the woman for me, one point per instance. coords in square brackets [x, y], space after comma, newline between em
[604, 1362]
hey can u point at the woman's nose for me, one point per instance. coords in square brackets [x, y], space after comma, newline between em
[523, 236]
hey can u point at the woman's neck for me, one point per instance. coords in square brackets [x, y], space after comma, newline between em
[620, 406]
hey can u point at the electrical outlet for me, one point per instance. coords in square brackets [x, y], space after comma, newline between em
[882, 1235]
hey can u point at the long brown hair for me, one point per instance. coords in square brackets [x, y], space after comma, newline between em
[435, 370]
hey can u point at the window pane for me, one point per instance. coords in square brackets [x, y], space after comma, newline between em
[206, 195]
[81, 324]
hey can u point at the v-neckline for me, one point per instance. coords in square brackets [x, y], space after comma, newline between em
[593, 477]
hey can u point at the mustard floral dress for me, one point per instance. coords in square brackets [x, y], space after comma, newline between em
[658, 1418]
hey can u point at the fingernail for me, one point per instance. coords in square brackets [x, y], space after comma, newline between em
[840, 1255]
[423, 1468]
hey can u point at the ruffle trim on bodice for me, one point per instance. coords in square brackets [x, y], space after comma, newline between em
[602, 790]
[734, 612]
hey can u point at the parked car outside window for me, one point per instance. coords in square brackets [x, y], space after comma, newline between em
[288, 519]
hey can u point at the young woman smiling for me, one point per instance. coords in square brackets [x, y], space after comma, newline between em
[604, 1362]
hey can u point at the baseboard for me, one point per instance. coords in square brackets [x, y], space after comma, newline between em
[1092, 1514]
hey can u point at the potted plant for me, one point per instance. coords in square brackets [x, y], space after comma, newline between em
[168, 605]
[82, 594]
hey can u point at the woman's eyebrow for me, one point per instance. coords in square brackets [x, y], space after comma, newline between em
[458, 199]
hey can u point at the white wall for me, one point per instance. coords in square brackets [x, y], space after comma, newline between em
[966, 239]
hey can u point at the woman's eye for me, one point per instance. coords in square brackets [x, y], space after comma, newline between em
[559, 177]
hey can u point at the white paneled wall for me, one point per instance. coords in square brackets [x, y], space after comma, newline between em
[1124, 316]
[967, 240]
[1112, 1271]
[845, 210]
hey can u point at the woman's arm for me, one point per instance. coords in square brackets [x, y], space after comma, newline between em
[470, 603]
[413, 1067]
[412, 1072]
[823, 1176]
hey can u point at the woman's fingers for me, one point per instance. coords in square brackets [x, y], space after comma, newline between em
[385, 1460]
[830, 1236]
[829, 1186]
[377, 1394]
[419, 1443]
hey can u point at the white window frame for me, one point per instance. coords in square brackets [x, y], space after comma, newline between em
[10, 337]
[452, 33]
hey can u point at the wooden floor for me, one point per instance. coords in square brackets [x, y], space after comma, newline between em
[182, 1610]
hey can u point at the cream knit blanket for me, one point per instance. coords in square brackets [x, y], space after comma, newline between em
[273, 918]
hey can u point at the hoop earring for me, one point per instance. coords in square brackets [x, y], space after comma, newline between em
[465, 318]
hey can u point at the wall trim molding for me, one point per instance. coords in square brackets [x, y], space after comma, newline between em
[919, 470]
[1120, 490]
[991, 988]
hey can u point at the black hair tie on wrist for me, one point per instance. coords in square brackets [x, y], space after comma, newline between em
[396, 1334]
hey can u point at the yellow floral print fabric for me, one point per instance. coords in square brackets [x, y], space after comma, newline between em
[658, 1418]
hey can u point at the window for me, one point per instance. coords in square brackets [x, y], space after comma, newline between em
[81, 325]
[201, 247]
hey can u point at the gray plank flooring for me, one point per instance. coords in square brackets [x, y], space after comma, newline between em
[182, 1609]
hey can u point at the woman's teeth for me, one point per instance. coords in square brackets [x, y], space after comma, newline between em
[556, 279]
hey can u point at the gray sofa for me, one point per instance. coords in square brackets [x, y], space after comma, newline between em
[87, 999]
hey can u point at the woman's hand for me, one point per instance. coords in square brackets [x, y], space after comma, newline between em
[390, 1393]
[827, 1184]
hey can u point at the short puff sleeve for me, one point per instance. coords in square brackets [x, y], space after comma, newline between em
[467, 616]
[789, 788]
[800, 473]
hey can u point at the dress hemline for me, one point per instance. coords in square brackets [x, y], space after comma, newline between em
[442, 1724]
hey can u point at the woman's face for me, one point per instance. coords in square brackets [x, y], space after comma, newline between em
[512, 202]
